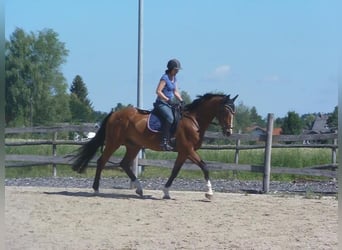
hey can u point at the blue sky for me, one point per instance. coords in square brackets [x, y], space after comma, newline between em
[279, 56]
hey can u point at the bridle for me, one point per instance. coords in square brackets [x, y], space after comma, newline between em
[227, 105]
[231, 109]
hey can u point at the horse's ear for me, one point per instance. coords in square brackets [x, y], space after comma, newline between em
[235, 98]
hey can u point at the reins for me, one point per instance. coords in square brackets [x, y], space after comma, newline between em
[193, 120]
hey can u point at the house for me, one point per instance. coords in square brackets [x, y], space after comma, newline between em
[256, 131]
[319, 126]
[259, 131]
[277, 131]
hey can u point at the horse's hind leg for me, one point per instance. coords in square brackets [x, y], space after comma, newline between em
[110, 148]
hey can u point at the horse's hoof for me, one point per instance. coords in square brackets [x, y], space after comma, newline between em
[139, 192]
[209, 196]
[166, 197]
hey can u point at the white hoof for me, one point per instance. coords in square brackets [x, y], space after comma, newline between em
[209, 196]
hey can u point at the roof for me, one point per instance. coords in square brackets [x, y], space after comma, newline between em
[254, 129]
[277, 131]
[320, 124]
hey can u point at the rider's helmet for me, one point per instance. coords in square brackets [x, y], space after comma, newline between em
[173, 64]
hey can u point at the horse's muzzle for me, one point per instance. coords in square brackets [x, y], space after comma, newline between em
[228, 132]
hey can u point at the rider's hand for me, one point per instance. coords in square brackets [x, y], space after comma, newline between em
[182, 104]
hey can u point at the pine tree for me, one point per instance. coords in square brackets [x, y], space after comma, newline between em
[80, 106]
[79, 88]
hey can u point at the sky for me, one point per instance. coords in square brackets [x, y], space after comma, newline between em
[279, 56]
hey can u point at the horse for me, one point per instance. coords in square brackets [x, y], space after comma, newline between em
[128, 127]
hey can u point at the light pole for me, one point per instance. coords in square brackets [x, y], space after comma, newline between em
[136, 167]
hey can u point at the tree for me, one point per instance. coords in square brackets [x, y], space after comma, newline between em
[256, 118]
[186, 97]
[120, 106]
[35, 87]
[80, 106]
[79, 88]
[278, 122]
[308, 120]
[292, 124]
[242, 117]
[99, 116]
[333, 119]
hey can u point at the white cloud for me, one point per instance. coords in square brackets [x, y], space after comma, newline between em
[219, 73]
[222, 70]
[271, 78]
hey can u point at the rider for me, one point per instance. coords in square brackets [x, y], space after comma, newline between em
[166, 91]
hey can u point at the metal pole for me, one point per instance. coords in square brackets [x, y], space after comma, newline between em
[140, 54]
[268, 151]
[136, 167]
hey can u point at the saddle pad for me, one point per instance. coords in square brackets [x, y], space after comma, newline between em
[153, 123]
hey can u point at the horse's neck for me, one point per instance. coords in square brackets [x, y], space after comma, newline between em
[205, 115]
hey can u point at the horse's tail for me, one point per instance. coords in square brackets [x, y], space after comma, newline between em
[88, 150]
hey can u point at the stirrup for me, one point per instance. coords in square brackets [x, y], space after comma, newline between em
[166, 147]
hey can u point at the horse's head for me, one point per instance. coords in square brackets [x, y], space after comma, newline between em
[226, 115]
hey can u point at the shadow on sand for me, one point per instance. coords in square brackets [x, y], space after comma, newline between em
[103, 195]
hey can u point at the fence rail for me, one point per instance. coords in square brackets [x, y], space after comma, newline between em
[327, 170]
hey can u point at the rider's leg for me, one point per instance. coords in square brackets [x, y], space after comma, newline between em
[165, 111]
[165, 144]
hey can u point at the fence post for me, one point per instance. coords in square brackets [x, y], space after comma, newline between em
[54, 153]
[268, 151]
[236, 157]
[333, 152]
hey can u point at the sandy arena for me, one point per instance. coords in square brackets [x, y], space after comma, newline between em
[68, 218]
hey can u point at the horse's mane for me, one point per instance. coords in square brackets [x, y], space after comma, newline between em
[200, 99]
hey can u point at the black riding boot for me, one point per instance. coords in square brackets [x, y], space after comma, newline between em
[165, 144]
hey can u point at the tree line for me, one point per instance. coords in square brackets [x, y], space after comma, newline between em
[37, 92]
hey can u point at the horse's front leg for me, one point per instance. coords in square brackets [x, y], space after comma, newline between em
[195, 158]
[209, 191]
[175, 170]
[209, 194]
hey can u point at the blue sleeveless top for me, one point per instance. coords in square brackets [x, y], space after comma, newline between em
[169, 86]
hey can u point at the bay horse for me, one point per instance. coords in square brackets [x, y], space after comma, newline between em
[128, 127]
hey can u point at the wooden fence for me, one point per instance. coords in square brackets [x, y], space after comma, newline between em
[266, 142]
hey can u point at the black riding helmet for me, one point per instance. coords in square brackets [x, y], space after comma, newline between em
[173, 64]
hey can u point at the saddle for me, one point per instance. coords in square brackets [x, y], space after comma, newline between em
[155, 120]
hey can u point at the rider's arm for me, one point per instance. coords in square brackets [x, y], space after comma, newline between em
[159, 91]
[178, 95]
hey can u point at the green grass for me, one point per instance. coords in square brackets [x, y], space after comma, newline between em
[297, 158]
